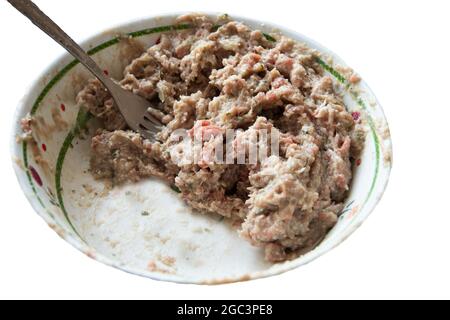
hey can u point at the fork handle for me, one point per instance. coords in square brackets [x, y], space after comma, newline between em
[43, 22]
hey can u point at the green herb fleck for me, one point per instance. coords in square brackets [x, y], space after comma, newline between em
[331, 70]
[269, 37]
[215, 27]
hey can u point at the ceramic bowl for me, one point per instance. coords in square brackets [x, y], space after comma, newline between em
[145, 228]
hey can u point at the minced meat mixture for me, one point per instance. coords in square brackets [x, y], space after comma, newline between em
[233, 77]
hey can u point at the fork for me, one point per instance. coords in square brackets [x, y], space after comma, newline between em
[135, 109]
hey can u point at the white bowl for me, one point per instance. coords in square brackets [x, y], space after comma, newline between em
[144, 228]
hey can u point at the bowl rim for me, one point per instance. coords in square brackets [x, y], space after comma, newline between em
[61, 60]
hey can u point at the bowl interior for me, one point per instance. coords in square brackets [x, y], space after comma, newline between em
[145, 228]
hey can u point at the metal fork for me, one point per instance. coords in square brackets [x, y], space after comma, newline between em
[133, 107]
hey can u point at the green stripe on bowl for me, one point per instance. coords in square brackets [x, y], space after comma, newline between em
[53, 82]
[30, 179]
[162, 29]
[81, 122]
[376, 141]
[266, 35]
[363, 106]
[97, 49]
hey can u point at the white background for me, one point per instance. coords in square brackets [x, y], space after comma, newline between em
[402, 50]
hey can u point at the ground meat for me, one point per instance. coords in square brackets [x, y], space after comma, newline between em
[207, 80]
[26, 126]
[99, 102]
[125, 155]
